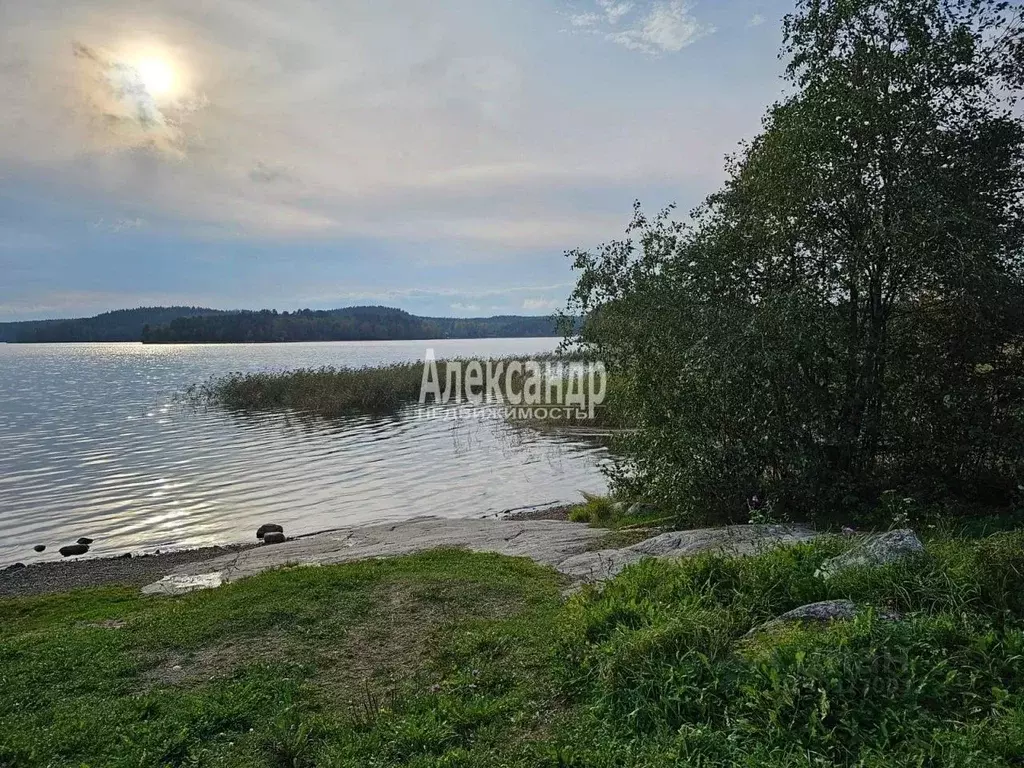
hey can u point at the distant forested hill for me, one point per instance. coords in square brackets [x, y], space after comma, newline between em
[121, 325]
[349, 324]
[198, 325]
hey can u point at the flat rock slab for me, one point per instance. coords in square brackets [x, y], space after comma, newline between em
[733, 541]
[548, 542]
[561, 545]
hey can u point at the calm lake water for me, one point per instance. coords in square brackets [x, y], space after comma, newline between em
[93, 443]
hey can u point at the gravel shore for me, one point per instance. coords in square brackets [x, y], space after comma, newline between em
[65, 575]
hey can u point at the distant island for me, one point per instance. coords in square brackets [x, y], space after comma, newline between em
[120, 325]
[200, 325]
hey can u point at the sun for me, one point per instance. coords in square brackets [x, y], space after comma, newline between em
[157, 76]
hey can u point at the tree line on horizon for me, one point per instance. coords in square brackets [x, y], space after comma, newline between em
[182, 325]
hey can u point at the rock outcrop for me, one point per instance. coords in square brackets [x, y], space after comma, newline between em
[735, 540]
[567, 547]
[874, 551]
[823, 612]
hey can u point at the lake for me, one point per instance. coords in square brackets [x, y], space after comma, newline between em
[93, 442]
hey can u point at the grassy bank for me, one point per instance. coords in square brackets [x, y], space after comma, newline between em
[454, 659]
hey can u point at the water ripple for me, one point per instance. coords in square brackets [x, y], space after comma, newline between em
[93, 444]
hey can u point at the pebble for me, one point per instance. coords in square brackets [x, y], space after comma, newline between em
[85, 540]
[39, 547]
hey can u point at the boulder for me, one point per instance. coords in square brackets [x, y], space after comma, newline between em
[39, 547]
[274, 537]
[266, 528]
[826, 611]
[733, 541]
[85, 541]
[874, 551]
[74, 549]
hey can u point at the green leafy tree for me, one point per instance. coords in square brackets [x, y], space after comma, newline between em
[846, 315]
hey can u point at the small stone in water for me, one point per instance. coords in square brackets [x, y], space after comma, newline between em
[85, 540]
[39, 547]
[74, 549]
[266, 528]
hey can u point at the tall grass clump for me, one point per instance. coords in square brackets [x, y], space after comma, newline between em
[674, 659]
[327, 392]
[338, 391]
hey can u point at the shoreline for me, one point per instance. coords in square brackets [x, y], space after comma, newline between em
[60, 576]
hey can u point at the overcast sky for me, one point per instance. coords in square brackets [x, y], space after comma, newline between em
[435, 156]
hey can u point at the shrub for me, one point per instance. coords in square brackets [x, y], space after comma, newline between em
[844, 317]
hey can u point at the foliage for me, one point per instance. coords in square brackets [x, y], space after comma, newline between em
[609, 416]
[595, 510]
[846, 316]
[616, 514]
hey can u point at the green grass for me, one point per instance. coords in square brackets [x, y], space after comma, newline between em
[616, 514]
[385, 661]
[455, 659]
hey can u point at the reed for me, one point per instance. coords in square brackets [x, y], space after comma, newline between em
[328, 392]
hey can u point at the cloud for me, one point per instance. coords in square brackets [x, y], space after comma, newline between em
[267, 173]
[118, 225]
[543, 305]
[664, 26]
[459, 307]
[668, 27]
[392, 294]
[756, 20]
[442, 133]
[589, 19]
[614, 11]
[124, 109]
[410, 122]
